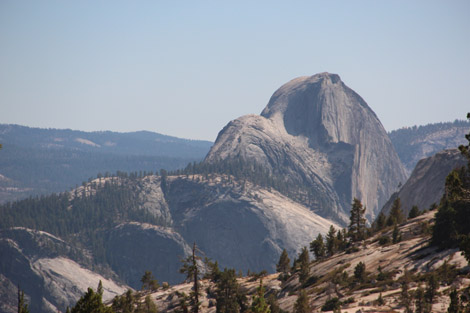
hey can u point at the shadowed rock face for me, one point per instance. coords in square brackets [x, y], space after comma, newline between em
[318, 132]
[427, 181]
[134, 248]
[43, 266]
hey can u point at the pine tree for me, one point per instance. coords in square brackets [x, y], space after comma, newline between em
[341, 239]
[318, 247]
[183, 305]
[357, 222]
[380, 222]
[304, 260]
[332, 304]
[228, 293]
[360, 272]
[431, 289]
[445, 230]
[22, 305]
[452, 226]
[283, 266]
[99, 290]
[396, 214]
[213, 271]
[302, 305]
[420, 304]
[405, 294]
[91, 302]
[331, 241]
[396, 235]
[148, 306]
[465, 150]
[149, 282]
[454, 306]
[191, 269]
[274, 304]
[381, 276]
[465, 247]
[414, 212]
[259, 304]
[124, 303]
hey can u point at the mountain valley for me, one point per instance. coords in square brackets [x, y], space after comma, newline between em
[270, 184]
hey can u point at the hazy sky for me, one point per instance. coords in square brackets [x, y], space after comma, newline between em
[186, 68]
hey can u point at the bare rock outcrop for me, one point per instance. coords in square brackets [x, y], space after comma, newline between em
[426, 183]
[43, 266]
[240, 225]
[318, 132]
[237, 223]
[331, 277]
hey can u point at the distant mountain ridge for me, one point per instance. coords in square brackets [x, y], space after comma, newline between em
[418, 142]
[142, 143]
[40, 161]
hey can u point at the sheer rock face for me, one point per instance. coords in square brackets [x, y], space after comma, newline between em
[317, 131]
[44, 267]
[427, 181]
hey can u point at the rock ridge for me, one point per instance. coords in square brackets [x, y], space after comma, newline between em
[425, 186]
[317, 132]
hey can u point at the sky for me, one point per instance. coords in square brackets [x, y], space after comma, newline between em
[186, 68]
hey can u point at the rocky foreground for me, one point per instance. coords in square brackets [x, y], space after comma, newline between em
[411, 254]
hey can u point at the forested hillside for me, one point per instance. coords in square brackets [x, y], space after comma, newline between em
[41, 161]
[123, 225]
[81, 217]
[418, 263]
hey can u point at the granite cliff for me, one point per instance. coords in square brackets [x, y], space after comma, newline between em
[317, 132]
[426, 183]
[53, 273]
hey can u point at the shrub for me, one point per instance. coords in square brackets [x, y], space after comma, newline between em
[360, 272]
[414, 212]
[352, 250]
[349, 300]
[384, 240]
[310, 281]
[331, 304]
